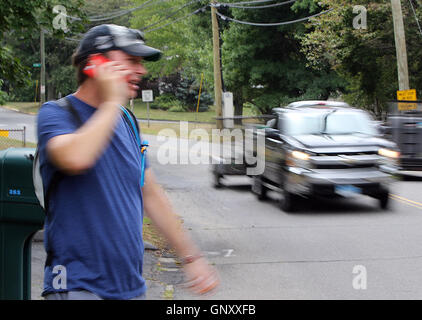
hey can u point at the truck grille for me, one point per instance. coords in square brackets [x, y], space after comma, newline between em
[345, 161]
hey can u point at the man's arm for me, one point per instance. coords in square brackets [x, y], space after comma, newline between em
[79, 151]
[201, 276]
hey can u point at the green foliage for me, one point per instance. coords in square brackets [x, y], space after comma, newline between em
[365, 58]
[165, 102]
[11, 68]
[186, 44]
[267, 64]
[21, 23]
[171, 40]
[3, 95]
[178, 108]
[63, 79]
[188, 92]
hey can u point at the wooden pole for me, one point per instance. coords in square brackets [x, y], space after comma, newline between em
[42, 79]
[399, 35]
[217, 70]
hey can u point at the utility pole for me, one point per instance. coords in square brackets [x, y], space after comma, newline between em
[400, 39]
[42, 80]
[217, 64]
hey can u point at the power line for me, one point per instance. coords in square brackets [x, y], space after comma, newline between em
[108, 14]
[171, 22]
[72, 39]
[178, 19]
[170, 15]
[246, 2]
[416, 17]
[230, 5]
[123, 13]
[118, 14]
[272, 24]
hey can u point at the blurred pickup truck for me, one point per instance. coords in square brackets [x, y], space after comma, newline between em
[325, 149]
[405, 129]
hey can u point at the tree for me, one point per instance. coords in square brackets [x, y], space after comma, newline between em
[265, 66]
[185, 43]
[20, 23]
[166, 28]
[366, 58]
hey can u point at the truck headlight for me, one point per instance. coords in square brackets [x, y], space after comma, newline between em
[390, 157]
[389, 153]
[298, 159]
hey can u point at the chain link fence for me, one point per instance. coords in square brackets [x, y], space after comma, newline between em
[12, 138]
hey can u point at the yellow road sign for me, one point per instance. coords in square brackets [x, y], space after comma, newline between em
[407, 95]
[4, 133]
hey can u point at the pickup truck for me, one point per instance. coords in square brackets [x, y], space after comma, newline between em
[325, 149]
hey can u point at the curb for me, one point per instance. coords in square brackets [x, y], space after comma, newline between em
[19, 111]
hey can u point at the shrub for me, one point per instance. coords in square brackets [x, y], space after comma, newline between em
[185, 89]
[177, 109]
[165, 102]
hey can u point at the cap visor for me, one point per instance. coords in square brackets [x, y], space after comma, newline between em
[141, 50]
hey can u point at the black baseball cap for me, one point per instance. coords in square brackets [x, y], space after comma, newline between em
[106, 37]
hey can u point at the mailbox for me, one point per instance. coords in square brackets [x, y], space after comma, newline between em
[21, 217]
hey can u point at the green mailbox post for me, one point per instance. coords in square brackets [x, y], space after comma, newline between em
[21, 217]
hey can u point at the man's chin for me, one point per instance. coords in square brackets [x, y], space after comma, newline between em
[133, 94]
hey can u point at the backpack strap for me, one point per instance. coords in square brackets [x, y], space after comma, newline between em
[132, 122]
[66, 104]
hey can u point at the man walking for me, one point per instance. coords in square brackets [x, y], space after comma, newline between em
[93, 227]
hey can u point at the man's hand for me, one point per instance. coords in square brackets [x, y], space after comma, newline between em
[76, 152]
[201, 277]
[112, 82]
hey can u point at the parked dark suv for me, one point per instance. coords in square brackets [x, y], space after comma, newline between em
[325, 149]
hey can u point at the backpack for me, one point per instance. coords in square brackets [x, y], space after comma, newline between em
[66, 104]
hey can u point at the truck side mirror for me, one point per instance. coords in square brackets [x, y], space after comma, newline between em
[272, 133]
[384, 130]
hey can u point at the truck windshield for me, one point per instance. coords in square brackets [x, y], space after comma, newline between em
[333, 123]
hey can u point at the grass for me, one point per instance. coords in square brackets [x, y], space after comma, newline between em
[26, 107]
[155, 127]
[151, 235]
[140, 110]
[6, 143]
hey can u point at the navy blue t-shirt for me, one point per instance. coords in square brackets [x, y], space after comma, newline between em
[94, 225]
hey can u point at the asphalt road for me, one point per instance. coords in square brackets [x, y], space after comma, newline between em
[321, 252]
[262, 252]
[14, 120]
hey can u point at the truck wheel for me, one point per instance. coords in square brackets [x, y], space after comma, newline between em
[384, 200]
[288, 201]
[258, 188]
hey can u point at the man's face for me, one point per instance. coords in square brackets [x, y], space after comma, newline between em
[132, 63]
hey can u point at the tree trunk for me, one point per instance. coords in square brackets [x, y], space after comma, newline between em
[51, 92]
